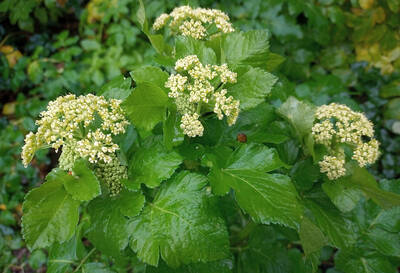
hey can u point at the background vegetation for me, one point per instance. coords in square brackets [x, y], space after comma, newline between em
[345, 51]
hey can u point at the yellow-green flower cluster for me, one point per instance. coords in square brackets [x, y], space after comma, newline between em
[338, 124]
[195, 85]
[194, 22]
[112, 174]
[68, 121]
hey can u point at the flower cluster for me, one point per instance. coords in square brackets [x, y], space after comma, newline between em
[195, 85]
[337, 124]
[194, 22]
[69, 121]
[112, 174]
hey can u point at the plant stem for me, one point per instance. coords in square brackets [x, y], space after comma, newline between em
[84, 260]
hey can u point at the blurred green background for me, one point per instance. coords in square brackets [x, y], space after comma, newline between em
[345, 51]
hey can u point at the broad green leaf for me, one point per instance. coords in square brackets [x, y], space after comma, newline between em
[188, 46]
[385, 242]
[152, 164]
[311, 237]
[118, 88]
[274, 61]
[96, 267]
[392, 109]
[222, 266]
[146, 105]
[172, 133]
[82, 184]
[252, 87]
[300, 115]
[388, 220]
[304, 174]
[150, 74]
[254, 157]
[344, 196]
[182, 224]
[390, 90]
[258, 125]
[362, 261]
[268, 198]
[337, 229]
[265, 254]
[63, 256]
[366, 182]
[246, 157]
[109, 231]
[50, 214]
[246, 48]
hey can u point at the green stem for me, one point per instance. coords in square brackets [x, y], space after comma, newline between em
[84, 260]
[198, 110]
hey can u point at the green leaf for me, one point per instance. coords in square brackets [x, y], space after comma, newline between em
[300, 115]
[96, 267]
[338, 230]
[304, 174]
[50, 214]
[363, 180]
[246, 157]
[117, 88]
[172, 133]
[390, 90]
[109, 231]
[252, 87]
[385, 242]
[82, 184]
[362, 261]
[182, 225]
[255, 157]
[388, 220]
[222, 266]
[274, 61]
[188, 46]
[344, 196]
[246, 48]
[62, 256]
[152, 164]
[150, 74]
[146, 105]
[392, 109]
[268, 198]
[311, 237]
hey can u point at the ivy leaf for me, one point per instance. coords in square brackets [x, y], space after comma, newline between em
[252, 87]
[82, 184]
[246, 48]
[50, 214]
[300, 115]
[117, 88]
[182, 225]
[362, 261]
[146, 105]
[109, 231]
[152, 164]
[150, 74]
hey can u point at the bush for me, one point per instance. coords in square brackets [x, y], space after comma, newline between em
[217, 148]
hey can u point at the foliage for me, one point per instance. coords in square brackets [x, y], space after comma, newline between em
[243, 198]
